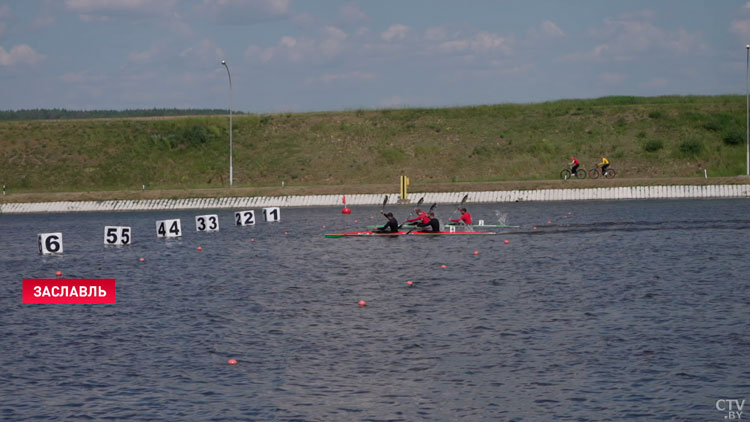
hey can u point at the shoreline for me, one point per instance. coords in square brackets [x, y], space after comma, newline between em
[684, 191]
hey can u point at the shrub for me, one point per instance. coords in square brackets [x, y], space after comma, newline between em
[655, 115]
[719, 122]
[733, 136]
[691, 147]
[195, 135]
[653, 145]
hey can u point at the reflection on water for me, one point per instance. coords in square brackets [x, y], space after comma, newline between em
[592, 311]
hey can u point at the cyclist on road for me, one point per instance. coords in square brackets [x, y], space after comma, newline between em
[603, 165]
[574, 165]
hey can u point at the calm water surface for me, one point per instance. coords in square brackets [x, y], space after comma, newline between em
[606, 311]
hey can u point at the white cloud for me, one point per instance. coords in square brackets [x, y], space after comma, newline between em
[550, 29]
[43, 22]
[82, 77]
[632, 36]
[19, 54]
[291, 49]
[740, 27]
[244, 12]
[205, 51]
[351, 14]
[437, 33]
[98, 9]
[395, 31]
[483, 42]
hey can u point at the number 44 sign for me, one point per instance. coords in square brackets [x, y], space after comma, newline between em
[168, 228]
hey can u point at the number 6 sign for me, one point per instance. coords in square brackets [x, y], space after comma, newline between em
[50, 243]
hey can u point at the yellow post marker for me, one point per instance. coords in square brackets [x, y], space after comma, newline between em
[404, 186]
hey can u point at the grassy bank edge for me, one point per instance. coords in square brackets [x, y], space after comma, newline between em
[414, 189]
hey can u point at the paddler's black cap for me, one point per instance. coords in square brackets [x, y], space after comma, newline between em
[390, 214]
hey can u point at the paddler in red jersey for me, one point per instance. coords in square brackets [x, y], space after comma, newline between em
[421, 220]
[464, 219]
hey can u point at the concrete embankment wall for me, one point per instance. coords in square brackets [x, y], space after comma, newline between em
[632, 192]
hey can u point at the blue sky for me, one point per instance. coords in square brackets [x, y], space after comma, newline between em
[295, 55]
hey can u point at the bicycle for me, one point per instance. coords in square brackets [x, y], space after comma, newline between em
[594, 173]
[567, 173]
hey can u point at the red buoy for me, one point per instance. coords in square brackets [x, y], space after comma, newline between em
[346, 210]
[232, 361]
[362, 303]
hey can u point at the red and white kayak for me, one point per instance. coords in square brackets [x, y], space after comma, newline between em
[402, 233]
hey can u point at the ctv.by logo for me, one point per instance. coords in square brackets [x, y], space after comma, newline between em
[732, 407]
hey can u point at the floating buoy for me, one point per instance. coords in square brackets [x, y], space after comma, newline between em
[59, 273]
[346, 210]
[324, 226]
[534, 227]
[362, 303]
[232, 361]
[286, 232]
[549, 221]
[410, 283]
[200, 248]
[142, 259]
[507, 241]
[252, 239]
[476, 252]
[356, 221]
[443, 266]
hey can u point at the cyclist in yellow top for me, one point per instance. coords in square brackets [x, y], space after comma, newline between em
[603, 165]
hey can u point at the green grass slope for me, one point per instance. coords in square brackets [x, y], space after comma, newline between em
[642, 136]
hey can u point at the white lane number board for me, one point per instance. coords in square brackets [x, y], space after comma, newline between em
[117, 235]
[271, 214]
[244, 218]
[168, 228]
[50, 243]
[207, 223]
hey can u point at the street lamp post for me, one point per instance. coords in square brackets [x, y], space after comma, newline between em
[224, 62]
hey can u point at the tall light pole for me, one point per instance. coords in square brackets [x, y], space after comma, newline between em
[747, 110]
[224, 62]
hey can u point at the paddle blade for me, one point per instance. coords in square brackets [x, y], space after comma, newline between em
[420, 201]
[463, 201]
[385, 201]
[432, 208]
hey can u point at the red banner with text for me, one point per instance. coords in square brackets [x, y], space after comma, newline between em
[68, 290]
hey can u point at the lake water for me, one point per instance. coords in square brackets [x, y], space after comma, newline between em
[606, 311]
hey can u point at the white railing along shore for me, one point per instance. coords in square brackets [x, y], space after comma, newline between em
[631, 192]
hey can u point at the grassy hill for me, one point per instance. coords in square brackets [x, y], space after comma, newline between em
[644, 137]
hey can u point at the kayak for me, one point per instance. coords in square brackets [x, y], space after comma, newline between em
[491, 226]
[402, 233]
[501, 226]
